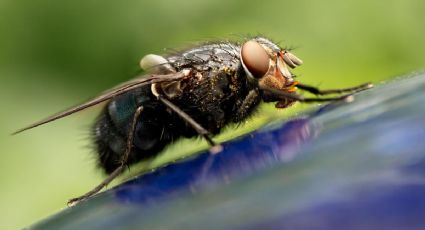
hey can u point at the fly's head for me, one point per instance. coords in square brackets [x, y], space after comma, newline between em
[268, 64]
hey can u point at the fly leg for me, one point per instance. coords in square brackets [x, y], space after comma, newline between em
[298, 97]
[119, 169]
[317, 91]
[215, 148]
[246, 105]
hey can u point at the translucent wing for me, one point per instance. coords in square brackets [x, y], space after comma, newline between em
[105, 96]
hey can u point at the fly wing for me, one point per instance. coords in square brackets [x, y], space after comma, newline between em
[107, 95]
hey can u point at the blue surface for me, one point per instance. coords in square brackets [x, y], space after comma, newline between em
[358, 165]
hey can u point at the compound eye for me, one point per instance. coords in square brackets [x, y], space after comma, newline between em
[255, 59]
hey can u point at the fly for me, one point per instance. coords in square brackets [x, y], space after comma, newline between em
[195, 92]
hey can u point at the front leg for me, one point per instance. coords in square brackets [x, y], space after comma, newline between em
[317, 91]
[247, 104]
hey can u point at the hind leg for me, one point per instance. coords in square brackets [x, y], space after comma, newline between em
[120, 168]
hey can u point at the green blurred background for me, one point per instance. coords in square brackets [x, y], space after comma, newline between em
[54, 54]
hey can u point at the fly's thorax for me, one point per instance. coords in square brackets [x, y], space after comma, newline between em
[213, 97]
[207, 57]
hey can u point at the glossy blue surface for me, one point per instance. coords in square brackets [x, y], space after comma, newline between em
[358, 165]
[238, 159]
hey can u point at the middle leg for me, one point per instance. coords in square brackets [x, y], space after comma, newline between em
[186, 117]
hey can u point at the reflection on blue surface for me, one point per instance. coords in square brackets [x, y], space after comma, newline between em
[375, 207]
[343, 166]
[239, 158]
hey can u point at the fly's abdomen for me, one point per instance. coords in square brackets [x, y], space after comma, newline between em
[109, 143]
[112, 127]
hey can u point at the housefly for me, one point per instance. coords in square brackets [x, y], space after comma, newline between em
[195, 92]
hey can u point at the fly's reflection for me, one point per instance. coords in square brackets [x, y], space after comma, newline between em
[240, 158]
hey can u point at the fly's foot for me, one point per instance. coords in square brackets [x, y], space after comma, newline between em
[217, 148]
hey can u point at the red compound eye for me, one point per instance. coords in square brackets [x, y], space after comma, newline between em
[255, 59]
